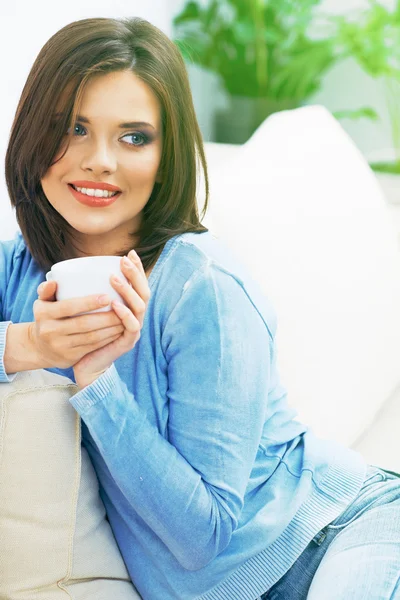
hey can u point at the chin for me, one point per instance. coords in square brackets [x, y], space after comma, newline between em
[90, 223]
[91, 229]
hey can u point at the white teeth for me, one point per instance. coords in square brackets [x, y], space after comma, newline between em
[93, 192]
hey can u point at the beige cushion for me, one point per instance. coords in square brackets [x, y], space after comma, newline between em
[55, 539]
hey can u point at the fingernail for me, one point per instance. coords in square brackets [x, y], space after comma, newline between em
[128, 264]
[103, 300]
[116, 280]
[40, 287]
[133, 254]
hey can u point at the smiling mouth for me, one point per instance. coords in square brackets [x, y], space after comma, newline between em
[92, 193]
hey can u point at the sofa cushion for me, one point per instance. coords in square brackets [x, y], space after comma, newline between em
[302, 209]
[55, 539]
[380, 443]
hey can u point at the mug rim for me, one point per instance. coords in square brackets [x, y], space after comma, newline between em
[91, 258]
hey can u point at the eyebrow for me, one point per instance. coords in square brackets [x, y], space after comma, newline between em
[127, 125]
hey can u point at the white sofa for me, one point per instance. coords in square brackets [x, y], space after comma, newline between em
[301, 206]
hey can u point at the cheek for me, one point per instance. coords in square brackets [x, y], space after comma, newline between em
[52, 182]
[144, 168]
[49, 183]
[56, 172]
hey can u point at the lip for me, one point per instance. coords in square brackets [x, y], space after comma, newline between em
[96, 185]
[92, 200]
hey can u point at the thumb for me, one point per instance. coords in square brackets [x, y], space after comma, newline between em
[47, 291]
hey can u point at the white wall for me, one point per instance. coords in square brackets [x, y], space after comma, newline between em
[26, 25]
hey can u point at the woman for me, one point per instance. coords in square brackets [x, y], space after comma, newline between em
[212, 489]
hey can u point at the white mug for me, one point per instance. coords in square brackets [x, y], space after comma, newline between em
[87, 275]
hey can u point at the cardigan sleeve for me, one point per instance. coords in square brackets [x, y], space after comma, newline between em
[190, 485]
[8, 252]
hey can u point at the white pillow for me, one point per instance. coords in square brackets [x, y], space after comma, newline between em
[55, 539]
[380, 444]
[302, 209]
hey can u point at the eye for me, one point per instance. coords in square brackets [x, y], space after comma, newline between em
[136, 139]
[78, 129]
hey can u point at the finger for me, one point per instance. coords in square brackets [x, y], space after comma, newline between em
[47, 291]
[135, 258]
[72, 307]
[137, 277]
[94, 337]
[103, 343]
[82, 324]
[90, 322]
[133, 300]
[130, 322]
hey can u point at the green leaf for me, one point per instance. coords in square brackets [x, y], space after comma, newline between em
[361, 113]
[191, 12]
[264, 47]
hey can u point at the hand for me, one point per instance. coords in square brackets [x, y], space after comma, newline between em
[136, 296]
[61, 335]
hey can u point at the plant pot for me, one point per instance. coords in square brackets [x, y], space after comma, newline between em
[238, 122]
[387, 171]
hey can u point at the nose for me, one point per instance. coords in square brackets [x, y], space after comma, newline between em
[99, 158]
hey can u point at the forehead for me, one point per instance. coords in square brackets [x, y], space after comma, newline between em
[119, 96]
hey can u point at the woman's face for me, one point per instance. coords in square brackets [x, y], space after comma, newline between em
[117, 140]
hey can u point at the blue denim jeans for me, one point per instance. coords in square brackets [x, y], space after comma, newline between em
[357, 556]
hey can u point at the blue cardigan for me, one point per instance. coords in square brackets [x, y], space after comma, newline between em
[211, 487]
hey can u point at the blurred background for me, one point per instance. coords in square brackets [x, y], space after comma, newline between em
[246, 60]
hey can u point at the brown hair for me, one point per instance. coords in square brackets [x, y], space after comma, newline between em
[63, 67]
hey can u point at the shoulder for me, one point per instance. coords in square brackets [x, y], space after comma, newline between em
[15, 273]
[191, 254]
[204, 264]
[13, 248]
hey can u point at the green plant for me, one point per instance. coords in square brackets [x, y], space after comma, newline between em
[259, 48]
[372, 38]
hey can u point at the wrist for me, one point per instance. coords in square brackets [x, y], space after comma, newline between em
[20, 352]
[84, 379]
[40, 360]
